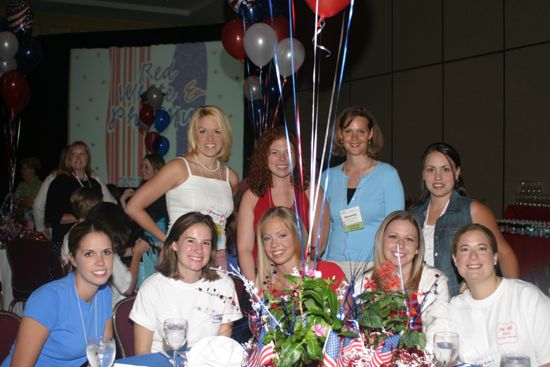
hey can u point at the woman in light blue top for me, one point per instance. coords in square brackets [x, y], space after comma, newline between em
[62, 316]
[360, 192]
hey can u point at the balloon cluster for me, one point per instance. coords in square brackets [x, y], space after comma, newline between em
[151, 113]
[19, 54]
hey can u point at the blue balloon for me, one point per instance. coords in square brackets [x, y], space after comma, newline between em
[252, 13]
[161, 145]
[29, 54]
[162, 120]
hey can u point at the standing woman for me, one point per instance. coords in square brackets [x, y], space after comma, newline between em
[444, 207]
[62, 316]
[360, 192]
[197, 181]
[274, 181]
[77, 173]
[495, 315]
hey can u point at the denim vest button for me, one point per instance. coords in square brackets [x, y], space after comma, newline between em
[435, 254]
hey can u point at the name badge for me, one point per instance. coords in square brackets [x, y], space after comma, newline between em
[219, 220]
[351, 219]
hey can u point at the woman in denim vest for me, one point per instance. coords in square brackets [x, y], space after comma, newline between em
[444, 208]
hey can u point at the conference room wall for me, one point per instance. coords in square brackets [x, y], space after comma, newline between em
[471, 73]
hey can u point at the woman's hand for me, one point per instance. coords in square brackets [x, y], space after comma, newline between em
[126, 195]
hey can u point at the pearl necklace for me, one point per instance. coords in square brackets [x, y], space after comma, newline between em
[201, 165]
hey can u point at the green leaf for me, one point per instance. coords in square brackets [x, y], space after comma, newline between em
[314, 350]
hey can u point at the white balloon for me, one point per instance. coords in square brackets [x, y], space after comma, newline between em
[260, 42]
[285, 55]
[8, 46]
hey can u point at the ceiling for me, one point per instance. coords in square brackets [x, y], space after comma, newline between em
[147, 13]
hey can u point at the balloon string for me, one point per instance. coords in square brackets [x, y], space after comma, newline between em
[320, 26]
[334, 96]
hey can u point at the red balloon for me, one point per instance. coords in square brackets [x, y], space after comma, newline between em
[280, 25]
[150, 138]
[15, 91]
[232, 38]
[328, 8]
[147, 114]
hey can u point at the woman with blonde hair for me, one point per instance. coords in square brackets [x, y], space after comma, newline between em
[280, 252]
[399, 242]
[76, 172]
[197, 181]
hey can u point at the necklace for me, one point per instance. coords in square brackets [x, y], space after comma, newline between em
[201, 165]
[82, 318]
[80, 182]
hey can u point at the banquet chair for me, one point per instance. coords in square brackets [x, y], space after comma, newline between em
[32, 264]
[9, 324]
[240, 330]
[541, 278]
[123, 327]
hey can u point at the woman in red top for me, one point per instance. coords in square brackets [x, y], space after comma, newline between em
[274, 180]
[280, 252]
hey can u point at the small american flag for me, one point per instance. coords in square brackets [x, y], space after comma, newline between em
[262, 355]
[332, 349]
[19, 15]
[385, 350]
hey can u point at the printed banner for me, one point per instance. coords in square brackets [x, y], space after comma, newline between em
[104, 101]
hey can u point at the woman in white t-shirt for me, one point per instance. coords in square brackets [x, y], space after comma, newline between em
[186, 286]
[495, 315]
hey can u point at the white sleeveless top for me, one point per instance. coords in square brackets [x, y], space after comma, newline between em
[201, 194]
[428, 232]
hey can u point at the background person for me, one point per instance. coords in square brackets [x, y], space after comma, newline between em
[27, 189]
[77, 173]
[495, 315]
[444, 207]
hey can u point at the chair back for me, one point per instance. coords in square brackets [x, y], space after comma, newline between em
[123, 327]
[9, 324]
[33, 264]
[541, 278]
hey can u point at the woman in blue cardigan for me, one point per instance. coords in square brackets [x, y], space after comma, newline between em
[360, 192]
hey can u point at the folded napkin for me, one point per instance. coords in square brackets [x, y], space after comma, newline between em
[216, 351]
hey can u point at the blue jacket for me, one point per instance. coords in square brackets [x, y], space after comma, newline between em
[457, 215]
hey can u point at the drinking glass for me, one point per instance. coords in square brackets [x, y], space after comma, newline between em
[175, 334]
[515, 360]
[101, 352]
[445, 347]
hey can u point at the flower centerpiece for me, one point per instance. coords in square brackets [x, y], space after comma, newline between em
[296, 322]
[387, 320]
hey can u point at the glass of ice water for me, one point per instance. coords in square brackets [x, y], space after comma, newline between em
[515, 360]
[175, 334]
[445, 347]
[101, 352]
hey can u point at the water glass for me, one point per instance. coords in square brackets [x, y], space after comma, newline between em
[175, 334]
[101, 352]
[515, 360]
[445, 347]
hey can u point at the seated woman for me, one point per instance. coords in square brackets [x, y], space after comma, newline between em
[279, 251]
[399, 241]
[186, 286]
[61, 316]
[495, 315]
